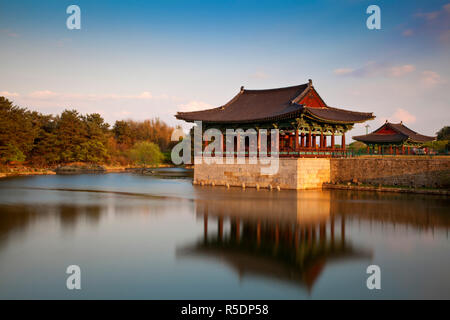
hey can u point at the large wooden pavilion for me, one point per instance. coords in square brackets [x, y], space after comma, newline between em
[307, 125]
[393, 138]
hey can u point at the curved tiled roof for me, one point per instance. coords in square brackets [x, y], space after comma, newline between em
[338, 115]
[402, 133]
[381, 138]
[271, 104]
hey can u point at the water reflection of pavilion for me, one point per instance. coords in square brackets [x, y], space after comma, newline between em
[284, 240]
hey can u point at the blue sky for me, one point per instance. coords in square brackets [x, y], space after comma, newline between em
[141, 59]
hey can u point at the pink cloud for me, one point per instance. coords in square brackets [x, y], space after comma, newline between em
[431, 78]
[66, 97]
[9, 94]
[44, 94]
[398, 116]
[343, 71]
[9, 33]
[401, 70]
[260, 75]
[374, 69]
[428, 15]
[194, 106]
[408, 32]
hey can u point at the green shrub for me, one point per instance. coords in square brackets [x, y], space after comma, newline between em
[145, 153]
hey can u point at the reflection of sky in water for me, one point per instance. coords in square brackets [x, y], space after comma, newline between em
[143, 237]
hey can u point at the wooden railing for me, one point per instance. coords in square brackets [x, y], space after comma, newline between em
[301, 152]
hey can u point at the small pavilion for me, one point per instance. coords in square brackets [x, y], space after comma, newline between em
[393, 138]
[307, 125]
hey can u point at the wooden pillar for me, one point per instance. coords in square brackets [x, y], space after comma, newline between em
[302, 139]
[314, 140]
[258, 233]
[343, 141]
[296, 140]
[309, 141]
[258, 138]
[222, 144]
[332, 140]
[409, 150]
[321, 139]
[390, 149]
[205, 145]
[379, 149]
[238, 142]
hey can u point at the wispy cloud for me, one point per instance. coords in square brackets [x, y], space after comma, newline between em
[374, 69]
[194, 106]
[51, 95]
[8, 94]
[431, 78]
[260, 75]
[399, 71]
[408, 32]
[9, 33]
[399, 115]
[343, 71]
[435, 24]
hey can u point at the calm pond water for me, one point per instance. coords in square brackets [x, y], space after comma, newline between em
[149, 237]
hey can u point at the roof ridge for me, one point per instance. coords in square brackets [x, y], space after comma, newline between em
[275, 89]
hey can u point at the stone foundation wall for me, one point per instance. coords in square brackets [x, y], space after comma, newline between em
[310, 173]
[292, 174]
[414, 172]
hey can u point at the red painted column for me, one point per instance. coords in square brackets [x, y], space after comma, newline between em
[296, 140]
[302, 142]
[332, 141]
[238, 142]
[343, 141]
[259, 141]
[321, 139]
[309, 142]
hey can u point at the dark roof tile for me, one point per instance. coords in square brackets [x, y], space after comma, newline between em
[271, 104]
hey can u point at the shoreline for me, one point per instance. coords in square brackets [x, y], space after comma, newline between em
[329, 186]
[16, 172]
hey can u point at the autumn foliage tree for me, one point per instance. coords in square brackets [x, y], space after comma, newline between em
[73, 137]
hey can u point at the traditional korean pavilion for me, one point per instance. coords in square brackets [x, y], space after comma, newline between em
[393, 138]
[307, 125]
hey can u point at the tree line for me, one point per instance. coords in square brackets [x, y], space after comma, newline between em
[45, 140]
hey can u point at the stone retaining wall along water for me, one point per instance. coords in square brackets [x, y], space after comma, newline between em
[413, 172]
[292, 174]
[307, 173]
